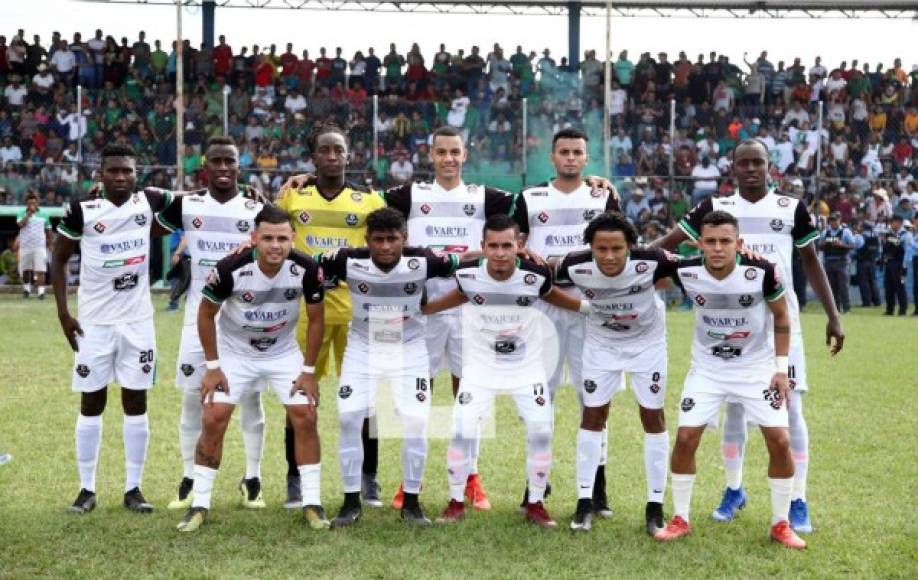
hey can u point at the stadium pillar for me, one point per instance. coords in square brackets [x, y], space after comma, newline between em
[573, 35]
[209, 7]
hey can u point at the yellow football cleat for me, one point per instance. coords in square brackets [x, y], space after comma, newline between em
[315, 517]
[252, 498]
[193, 519]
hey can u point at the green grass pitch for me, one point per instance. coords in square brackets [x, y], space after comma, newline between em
[862, 488]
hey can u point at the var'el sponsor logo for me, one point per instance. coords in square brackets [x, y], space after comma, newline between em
[121, 247]
[567, 241]
[265, 315]
[217, 246]
[446, 231]
[327, 242]
[725, 321]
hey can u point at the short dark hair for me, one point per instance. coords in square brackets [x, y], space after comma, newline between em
[324, 128]
[32, 195]
[222, 141]
[719, 217]
[610, 221]
[568, 133]
[115, 150]
[445, 131]
[385, 219]
[273, 215]
[499, 222]
[751, 141]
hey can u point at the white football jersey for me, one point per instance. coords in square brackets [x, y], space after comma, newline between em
[114, 255]
[212, 230]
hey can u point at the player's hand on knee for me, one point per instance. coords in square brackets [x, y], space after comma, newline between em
[781, 387]
[72, 329]
[306, 384]
[214, 381]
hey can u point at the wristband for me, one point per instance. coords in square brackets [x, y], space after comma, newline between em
[212, 364]
[781, 364]
[309, 370]
[585, 307]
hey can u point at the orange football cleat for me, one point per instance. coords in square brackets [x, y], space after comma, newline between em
[674, 530]
[782, 533]
[475, 493]
[399, 498]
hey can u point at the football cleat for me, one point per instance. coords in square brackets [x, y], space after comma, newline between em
[315, 517]
[522, 507]
[733, 501]
[537, 514]
[475, 493]
[414, 515]
[251, 493]
[677, 528]
[347, 516]
[84, 503]
[398, 500]
[192, 519]
[583, 516]
[653, 517]
[135, 502]
[455, 511]
[183, 500]
[370, 490]
[782, 533]
[800, 517]
[294, 493]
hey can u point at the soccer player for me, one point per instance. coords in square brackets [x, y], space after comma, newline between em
[386, 344]
[327, 215]
[770, 225]
[625, 331]
[215, 222]
[114, 338]
[504, 356]
[257, 294]
[737, 354]
[34, 237]
[552, 217]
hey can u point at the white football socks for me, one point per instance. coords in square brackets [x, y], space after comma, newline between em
[350, 450]
[733, 444]
[88, 436]
[458, 464]
[252, 423]
[781, 489]
[310, 481]
[589, 445]
[136, 441]
[656, 463]
[799, 445]
[538, 459]
[190, 430]
[203, 486]
[682, 484]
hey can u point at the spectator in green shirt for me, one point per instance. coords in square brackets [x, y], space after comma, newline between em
[624, 70]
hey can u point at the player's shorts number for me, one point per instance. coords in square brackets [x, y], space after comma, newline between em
[146, 356]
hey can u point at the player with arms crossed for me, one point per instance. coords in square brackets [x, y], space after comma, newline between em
[770, 225]
[330, 214]
[114, 338]
[386, 344]
[625, 331]
[505, 355]
[215, 222]
[738, 355]
[552, 217]
[257, 295]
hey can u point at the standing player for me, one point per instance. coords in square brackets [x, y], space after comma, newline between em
[771, 225]
[34, 238]
[385, 344]
[738, 355]
[625, 331]
[552, 217]
[214, 222]
[257, 295]
[504, 356]
[328, 215]
[114, 338]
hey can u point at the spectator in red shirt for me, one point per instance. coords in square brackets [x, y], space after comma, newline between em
[264, 72]
[289, 62]
[357, 95]
[324, 69]
[902, 152]
[223, 58]
[304, 70]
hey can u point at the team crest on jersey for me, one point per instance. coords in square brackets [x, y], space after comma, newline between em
[146, 368]
[589, 386]
[783, 201]
[524, 300]
[540, 401]
[750, 273]
[304, 217]
[290, 293]
[356, 197]
[425, 209]
[187, 369]
[351, 219]
[99, 227]
[345, 391]
[250, 204]
[478, 299]
[243, 226]
[197, 222]
[82, 370]
[410, 288]
[776, 224]
[542, 217]
[641, 267]
[529, 279]
[596, 192]
[590, 214]
[247, 297]
[746, 300]
[699, 300]
[414, 264]
[589, 293]
[421, 397]
[140, 219]
[294, 271]
[635, 289]
[465, 398]
[469, 209]
[654, 388]
[363, 287]
[688, 404]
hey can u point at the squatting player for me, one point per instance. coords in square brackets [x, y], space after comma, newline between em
[503, 356]
[738, 355]
[625, 331]
[386, 344]
[771, 225]
[215, 222]
[257, 294]
[114, 337]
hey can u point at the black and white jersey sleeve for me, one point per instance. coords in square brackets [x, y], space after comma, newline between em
[219, 284]
[313, 277]
[71, 226]
[690, 223]
[399, 198]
